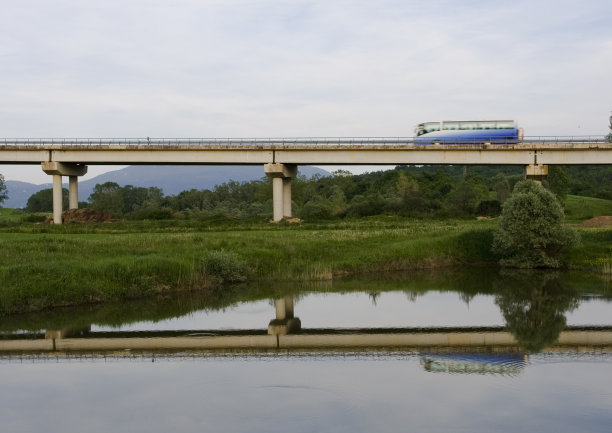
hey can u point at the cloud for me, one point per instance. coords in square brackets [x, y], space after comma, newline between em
[279, 68]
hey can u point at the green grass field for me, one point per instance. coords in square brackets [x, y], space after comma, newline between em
[45, 265]
[72, 264]
[579, 208]
[11, 216]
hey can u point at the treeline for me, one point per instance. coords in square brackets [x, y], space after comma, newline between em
[406, 190]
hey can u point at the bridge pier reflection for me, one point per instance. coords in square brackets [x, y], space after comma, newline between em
[285, 322]
[56, 334]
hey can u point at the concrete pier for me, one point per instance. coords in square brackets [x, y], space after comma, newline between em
[58, 204]
[73, 192]
[536, 172]
[287, 197]
[281, 175]
[57, 170]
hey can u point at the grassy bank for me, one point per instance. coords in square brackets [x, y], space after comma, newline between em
[45, 266]
[578, 208]
[466, 282]
[595, 252]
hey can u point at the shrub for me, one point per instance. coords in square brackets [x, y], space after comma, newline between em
[317, 209]
[489, 208]
[531, 233]
[360, 206]
[474, 246]
[151, 214]
[34, 218]
[224, 265]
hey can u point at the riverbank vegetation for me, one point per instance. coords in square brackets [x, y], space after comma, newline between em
[403, 219]
[45, 266]
[97, 262]
[530, 290]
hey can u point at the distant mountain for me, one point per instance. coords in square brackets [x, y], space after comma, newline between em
[19, 192]
[172, 179]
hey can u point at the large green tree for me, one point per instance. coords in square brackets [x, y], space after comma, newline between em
[110, 197]
[42, 201]
[531, 232]
[107, 197]
[558, 181]
[501, 186]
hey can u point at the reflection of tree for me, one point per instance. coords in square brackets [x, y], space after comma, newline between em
[413, 295]
[466, 297]
[374, 297]
[534, 306]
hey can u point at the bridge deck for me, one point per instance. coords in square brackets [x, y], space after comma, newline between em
[313, 151]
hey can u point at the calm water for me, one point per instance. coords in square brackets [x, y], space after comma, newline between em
[454, 352]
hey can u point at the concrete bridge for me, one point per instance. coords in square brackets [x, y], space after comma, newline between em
[281, 156]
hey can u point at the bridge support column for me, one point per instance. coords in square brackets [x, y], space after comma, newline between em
[285, 323]
[536, 172]
[57, 199]
[287, 197]
[281, 175]
[57, 170]
[73, 192]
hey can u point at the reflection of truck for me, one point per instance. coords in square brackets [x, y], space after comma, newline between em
[468, 132]
[505, 363]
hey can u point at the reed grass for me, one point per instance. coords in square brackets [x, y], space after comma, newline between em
[595, 252]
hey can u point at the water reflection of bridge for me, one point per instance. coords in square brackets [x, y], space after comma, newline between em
[285, 334]
[405, 339]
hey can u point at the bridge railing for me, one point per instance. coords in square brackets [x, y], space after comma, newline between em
[204, 141]
[140, 141]
[567, 139]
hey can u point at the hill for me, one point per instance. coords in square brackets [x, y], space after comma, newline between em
[170, 178]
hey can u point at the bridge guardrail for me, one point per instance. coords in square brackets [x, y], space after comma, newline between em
[139, 141]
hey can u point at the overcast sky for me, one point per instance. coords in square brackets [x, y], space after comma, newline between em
[261, 68]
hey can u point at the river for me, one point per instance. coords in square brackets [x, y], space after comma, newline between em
[459, 351]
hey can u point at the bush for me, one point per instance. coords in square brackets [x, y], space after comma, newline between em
[474, 246]
[34, 218]
[489, 208]
[531, 233]
[151, 214]
[317, 209]
[224, 265]
[361, 206]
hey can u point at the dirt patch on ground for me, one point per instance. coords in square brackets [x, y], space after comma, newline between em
[600, 221]
[86, 216]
